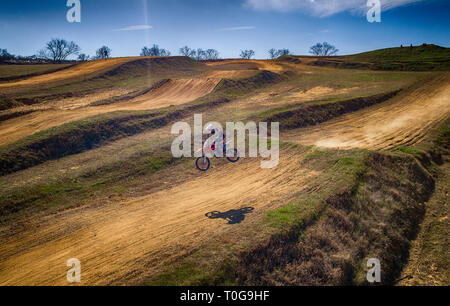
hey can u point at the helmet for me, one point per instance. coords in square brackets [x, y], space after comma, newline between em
[211, 129]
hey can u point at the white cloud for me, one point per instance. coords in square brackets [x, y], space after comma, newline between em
[321, 8]
[238, 28]
[135, 28]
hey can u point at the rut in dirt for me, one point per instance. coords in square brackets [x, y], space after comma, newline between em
[404, 120]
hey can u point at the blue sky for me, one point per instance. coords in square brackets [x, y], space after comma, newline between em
[226, 25]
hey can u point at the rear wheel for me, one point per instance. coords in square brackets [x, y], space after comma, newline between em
[203, 163]
[233, 156]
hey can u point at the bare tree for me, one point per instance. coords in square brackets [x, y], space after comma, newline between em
[200, 54]
[4, 55]
[83, 57]
[59, 49]
[211, 54]
[186, 51]
[247, 54]
[145, 51]
[277, 53]
[273, 53]
[282, 52]
[323, 49]
[329, 50]
[154, 51]
[316, 49]
[164, 52]
[103, 53]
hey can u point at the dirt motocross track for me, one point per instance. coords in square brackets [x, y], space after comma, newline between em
[115, 242]
[402, 121]
[129, 240]
[174, 92]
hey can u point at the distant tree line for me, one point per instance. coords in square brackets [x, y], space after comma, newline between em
[200, 54]
[59, 50]
[6, 57]
[4, 54]
[154, 51]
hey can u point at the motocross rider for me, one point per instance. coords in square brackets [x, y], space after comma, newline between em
[218, 136]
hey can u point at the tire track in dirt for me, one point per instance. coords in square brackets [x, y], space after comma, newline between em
[174, 92]
[256, 64]
[119, 243]
[75, 71]
[404, 120]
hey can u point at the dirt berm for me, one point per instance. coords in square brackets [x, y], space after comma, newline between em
[376, 217]
[79, 136]
[307, 115]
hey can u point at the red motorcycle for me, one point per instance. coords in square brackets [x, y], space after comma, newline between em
[204, 163]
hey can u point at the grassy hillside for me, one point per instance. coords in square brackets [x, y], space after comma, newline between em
[136, 74]
[16, 72]
[315, 219]
[82, 135]
[430, 53]
[416, 58]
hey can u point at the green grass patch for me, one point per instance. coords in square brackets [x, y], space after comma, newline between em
[298, 214]
[410, 150]
[424, 57]
[317, 153]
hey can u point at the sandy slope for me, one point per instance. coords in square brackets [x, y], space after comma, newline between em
[95, 66]
[124, 240]
[175, 92]
[256, 64]
[75, 71]
[121, 242]
[404, 120]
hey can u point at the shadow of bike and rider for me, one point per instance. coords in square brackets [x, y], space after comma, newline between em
[234, 216]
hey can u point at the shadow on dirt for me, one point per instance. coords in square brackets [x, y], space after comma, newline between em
[234, 216]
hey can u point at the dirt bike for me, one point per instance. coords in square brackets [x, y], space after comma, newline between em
[204, 163]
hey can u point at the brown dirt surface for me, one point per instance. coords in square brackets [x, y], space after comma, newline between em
[403, 120]
[127, 239]
[256, 64]
[75, 71]
[174, 92]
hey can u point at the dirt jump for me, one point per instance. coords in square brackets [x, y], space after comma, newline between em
[126, 241]
[173, 92]
[131, 239]
[72, 72]
[403, 120]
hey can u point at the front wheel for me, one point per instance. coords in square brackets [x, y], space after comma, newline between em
[233, 156]
[203, 163]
